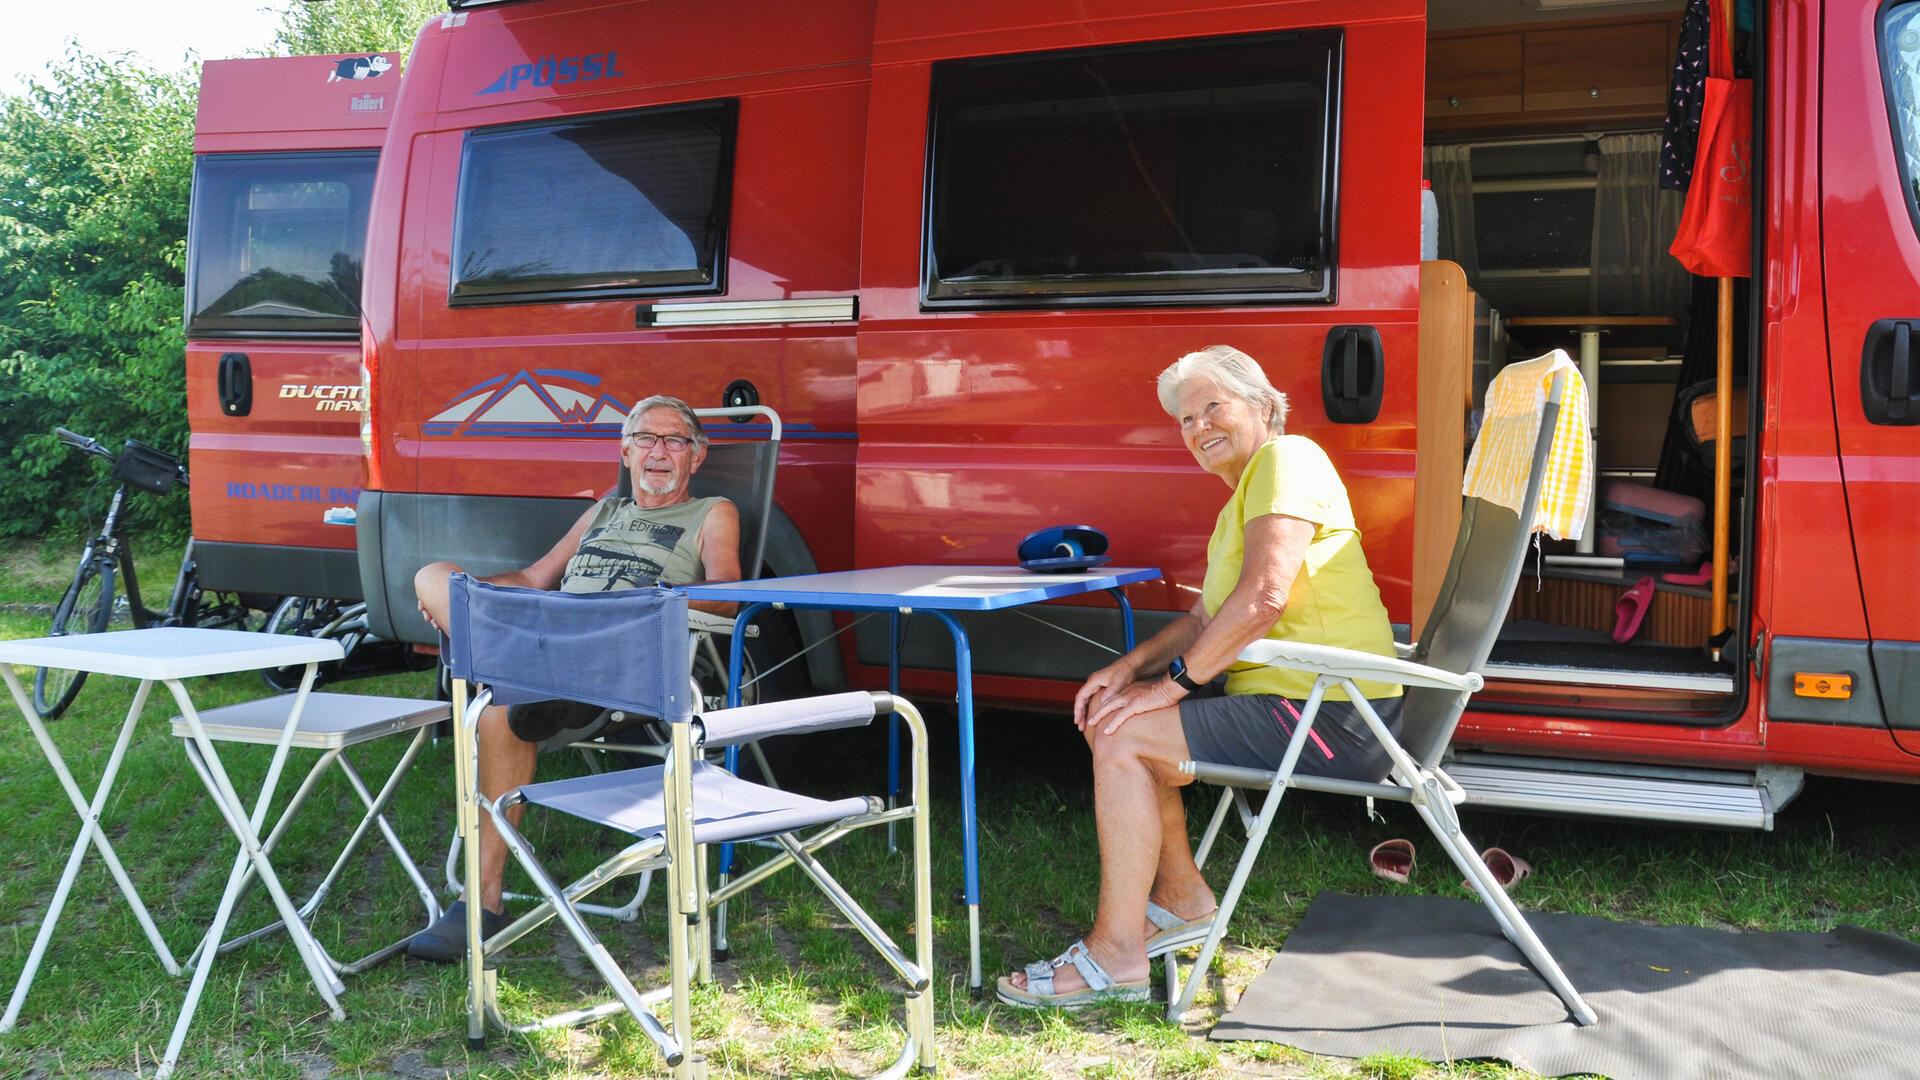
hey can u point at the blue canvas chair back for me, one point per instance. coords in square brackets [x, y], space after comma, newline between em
[1473, 600]
[620, 650]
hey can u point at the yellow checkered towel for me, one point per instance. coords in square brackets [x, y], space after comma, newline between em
[1503, 455]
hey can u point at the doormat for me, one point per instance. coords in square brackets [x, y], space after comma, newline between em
[1434, 978]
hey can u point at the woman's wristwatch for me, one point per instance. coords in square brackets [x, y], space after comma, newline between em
[1177, 671]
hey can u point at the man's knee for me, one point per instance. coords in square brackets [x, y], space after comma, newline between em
[432, 579]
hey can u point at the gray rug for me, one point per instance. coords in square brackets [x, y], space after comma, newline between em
[1433, 978]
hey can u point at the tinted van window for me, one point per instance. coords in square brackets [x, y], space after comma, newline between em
[631, 204]
[276, 243]
[1170, 173]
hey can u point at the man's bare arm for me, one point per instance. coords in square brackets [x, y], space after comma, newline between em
[720, 554]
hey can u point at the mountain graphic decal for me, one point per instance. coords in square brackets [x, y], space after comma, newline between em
[544, 404]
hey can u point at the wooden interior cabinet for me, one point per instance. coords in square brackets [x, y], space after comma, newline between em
[1556, 75]
[1596, 67]
[1475, 75]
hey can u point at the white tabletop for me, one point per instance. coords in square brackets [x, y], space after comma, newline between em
[168, 652]
[960, 588]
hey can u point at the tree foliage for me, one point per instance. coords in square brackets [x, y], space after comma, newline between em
[347, 26]
[95, 169]
[96, 165]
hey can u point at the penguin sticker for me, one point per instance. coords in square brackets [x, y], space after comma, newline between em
[360, 67]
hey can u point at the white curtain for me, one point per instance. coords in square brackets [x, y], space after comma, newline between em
[1634, 220]
[1450, 171]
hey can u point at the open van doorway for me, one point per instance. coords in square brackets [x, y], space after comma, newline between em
[1552, 158]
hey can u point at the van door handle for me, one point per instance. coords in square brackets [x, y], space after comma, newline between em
[1887, 391]
[1352, 374]
[234, 380]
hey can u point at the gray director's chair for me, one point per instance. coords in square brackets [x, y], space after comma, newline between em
[1440, 676]
[630, 651]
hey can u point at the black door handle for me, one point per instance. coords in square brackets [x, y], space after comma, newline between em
[1887, 391]
[234, 380]
[1352, 374]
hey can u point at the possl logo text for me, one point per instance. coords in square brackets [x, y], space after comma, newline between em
[548, 71]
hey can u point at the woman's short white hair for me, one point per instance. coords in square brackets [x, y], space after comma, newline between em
[1236, 372]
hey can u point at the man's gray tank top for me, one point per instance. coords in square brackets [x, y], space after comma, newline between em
[627, 546]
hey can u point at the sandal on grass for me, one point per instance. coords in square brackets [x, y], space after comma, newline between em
[1508, 870]
[1392, 860]
[1100, 988]
[1174, 931]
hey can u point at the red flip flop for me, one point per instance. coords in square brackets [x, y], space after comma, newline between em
[1631, 610]
[1392, 860]
[1508, 870]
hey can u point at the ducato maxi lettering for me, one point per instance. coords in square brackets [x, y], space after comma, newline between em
[562, 71]
[335, 397]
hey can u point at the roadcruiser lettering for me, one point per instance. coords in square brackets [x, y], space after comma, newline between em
[311, 493]
[557, 71]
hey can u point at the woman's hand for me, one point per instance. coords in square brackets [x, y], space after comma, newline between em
[1132, 700]
[1099, 687]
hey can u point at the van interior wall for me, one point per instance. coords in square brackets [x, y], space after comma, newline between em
[1572, 224]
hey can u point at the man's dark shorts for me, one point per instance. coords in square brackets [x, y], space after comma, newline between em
[1252, 731]
[556, 724]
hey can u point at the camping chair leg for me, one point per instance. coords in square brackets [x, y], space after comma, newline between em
[596, 953]
[703, 925]
[683, 900]
[467, 779]
[1513, 923]
[1213, 827]
[1256, 839]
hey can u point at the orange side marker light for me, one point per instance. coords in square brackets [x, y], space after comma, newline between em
[1833, 686]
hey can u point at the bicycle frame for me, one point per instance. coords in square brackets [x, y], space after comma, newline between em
[111, 543]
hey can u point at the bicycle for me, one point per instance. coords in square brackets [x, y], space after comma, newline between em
[90, 602]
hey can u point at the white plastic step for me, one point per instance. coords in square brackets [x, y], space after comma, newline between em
[1730, 801]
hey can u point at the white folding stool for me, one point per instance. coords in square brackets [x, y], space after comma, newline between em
[330, 724]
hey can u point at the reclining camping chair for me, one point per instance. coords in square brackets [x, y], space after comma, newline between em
[1439, 676]
[630, 651]
[744, 473]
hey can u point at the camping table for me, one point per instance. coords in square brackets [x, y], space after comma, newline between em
[1589, 328]
[938, 590]
[168, 655]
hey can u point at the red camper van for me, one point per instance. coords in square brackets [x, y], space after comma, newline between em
[952, 244]
[285, 151]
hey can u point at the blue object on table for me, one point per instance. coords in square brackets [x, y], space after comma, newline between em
[936, 591]
[1063, 549]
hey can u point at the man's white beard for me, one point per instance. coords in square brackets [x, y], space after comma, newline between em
[657, 487]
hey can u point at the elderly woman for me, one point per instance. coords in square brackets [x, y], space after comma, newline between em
[1284, 562]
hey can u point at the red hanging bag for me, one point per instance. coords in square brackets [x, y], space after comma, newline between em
[1715, 238]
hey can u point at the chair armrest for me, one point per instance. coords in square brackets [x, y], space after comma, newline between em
[1404, 649]
[1327, 660]
[706, 622]
[732, 727]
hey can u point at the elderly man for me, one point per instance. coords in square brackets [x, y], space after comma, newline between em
[662, 534]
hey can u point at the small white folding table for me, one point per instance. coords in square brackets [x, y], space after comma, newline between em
[169, 655]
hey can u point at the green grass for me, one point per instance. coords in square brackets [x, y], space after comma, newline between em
[801, 995]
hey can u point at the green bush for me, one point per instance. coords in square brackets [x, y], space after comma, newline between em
[96, 164]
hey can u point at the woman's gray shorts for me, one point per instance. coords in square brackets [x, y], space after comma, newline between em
[1252, 731]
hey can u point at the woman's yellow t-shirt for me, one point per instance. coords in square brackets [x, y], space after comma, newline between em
[1334, 601]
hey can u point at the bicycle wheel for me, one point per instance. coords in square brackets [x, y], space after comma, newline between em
[85, 609]
[306, 616]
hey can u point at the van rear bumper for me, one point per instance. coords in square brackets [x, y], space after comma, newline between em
[277, 569]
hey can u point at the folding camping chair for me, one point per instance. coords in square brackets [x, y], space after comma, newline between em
[331, 724]
[630, 651]
[1438, 678]
[744, 473]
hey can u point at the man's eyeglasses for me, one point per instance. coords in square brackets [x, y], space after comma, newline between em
[646, 440]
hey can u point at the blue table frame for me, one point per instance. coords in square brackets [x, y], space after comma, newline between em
[937, 590]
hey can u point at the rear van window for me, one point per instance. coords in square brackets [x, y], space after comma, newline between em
[276, 243]
[1170, 173]
[629, 204]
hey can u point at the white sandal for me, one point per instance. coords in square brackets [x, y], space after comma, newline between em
[1101, 989]
[1176, 932]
